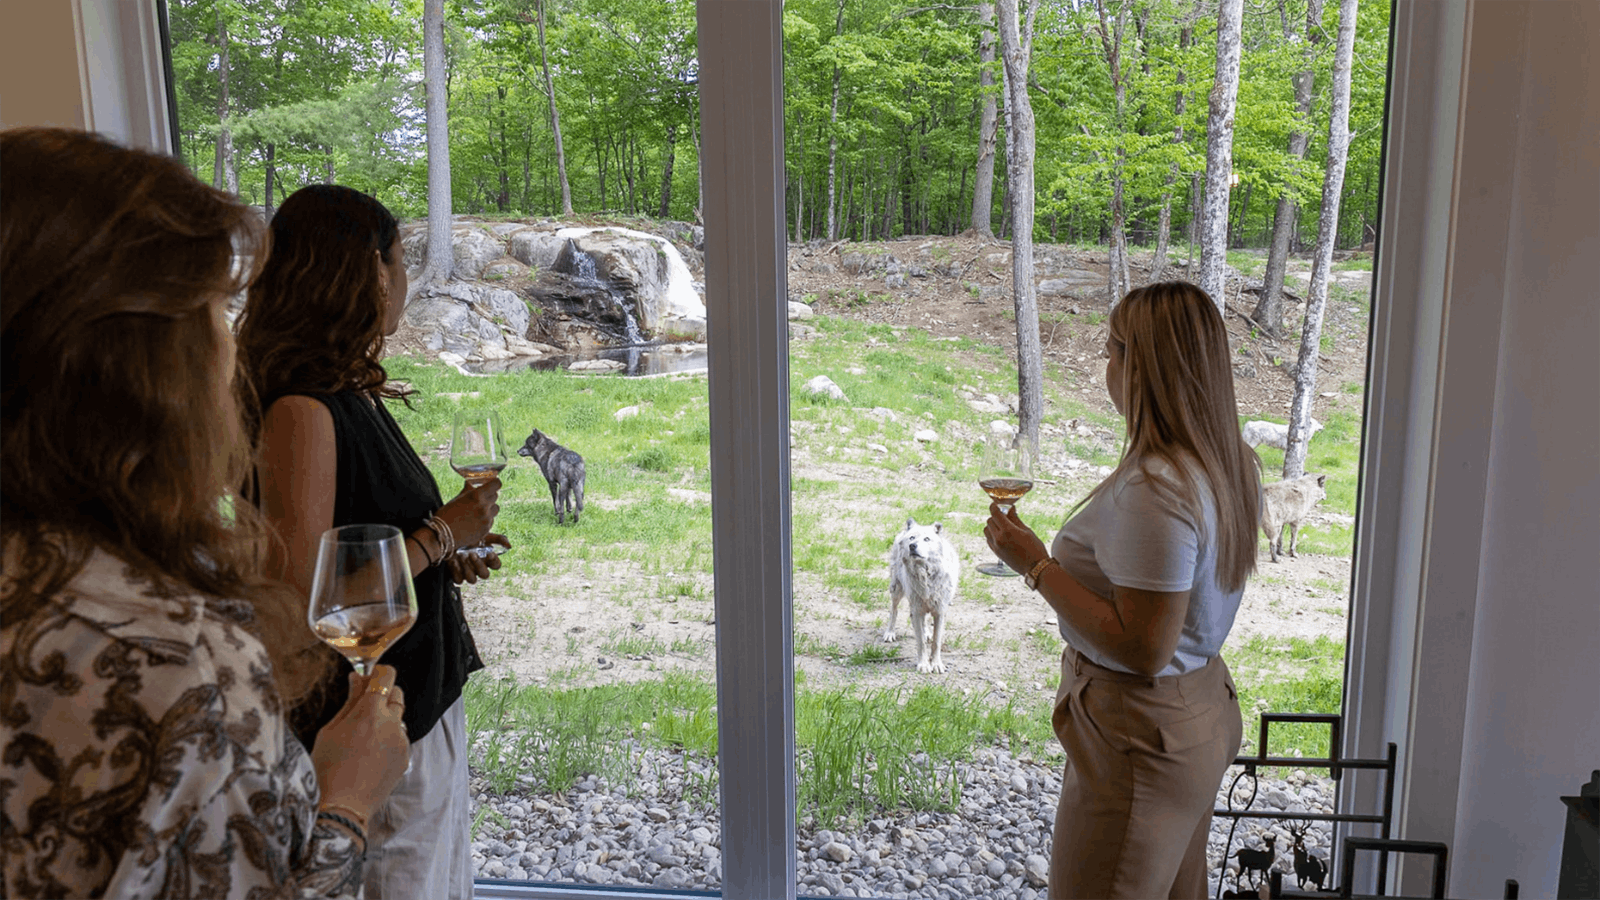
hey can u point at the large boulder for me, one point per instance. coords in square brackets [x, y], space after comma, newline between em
[474, 245]
[473, 320]
[535, 248]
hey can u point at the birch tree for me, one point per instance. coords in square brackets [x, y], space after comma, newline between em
[555, 124]
[1305, 378]
[1016, 44]
[1269, 308]
[440, 264]
[833, 134]
[1111, 30]
[225, 172]
[1219, 154]
[983, 176]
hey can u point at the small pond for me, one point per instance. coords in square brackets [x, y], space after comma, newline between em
[638, 361]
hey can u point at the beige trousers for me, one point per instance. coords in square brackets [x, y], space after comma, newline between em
[1145, 758]
[418, 845]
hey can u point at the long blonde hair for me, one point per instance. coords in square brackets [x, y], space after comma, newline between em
[120, 429]
[1178, 397]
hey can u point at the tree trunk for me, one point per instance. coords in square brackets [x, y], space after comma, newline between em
[1016, 43]
[833, 134]
[1269, 308]
[271, 175]
[225, 172]
[983, 176]
[1111, 48]
[666, 170]
[440, 264]
[555, 118]
[1219, 154]
[1305, 380]
[1158, 265]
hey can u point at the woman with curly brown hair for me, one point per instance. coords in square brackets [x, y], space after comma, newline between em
[330, 454]
[1145, 579]
[145, 662]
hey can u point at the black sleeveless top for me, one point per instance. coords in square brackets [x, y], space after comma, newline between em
[381, 480]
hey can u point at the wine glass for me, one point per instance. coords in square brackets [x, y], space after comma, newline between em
[1007, 475]
[478, 454]
[362, 598]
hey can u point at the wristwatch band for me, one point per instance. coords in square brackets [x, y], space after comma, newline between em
[1032, 578]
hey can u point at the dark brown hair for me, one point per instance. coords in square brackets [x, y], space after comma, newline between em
[1179, 400]
[314, 319]
[120, 427]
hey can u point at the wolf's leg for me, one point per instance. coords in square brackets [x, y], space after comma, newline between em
[1294, 537]
[919, 616]
[895, 593]
[562, 502]
[1274, 540]
[577, 493]
[937, 663]
[555, 496]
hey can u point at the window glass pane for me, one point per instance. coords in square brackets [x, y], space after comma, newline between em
[919, 782]
[592, 726]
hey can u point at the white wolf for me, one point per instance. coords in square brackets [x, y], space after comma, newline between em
[924, 569]
[1287, 503]
[1257, 432]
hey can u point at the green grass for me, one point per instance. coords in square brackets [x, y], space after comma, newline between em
[860, 752]
[1358, 264]
[1294, 675]
[857, 747]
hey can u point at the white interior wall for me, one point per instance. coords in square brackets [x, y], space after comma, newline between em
[1532, 725]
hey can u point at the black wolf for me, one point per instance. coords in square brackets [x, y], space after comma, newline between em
[562, 468]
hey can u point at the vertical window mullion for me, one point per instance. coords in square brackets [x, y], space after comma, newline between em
[741, 108]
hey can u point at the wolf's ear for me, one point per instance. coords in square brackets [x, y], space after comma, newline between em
[1322, 480]
[910, 524]
[938, 528]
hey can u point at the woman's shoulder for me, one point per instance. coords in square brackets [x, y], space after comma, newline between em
[114, 609]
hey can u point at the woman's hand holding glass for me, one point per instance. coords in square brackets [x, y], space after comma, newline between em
[1011, 540]
[361, 754]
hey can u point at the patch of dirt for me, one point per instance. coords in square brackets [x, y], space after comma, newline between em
[601, 621]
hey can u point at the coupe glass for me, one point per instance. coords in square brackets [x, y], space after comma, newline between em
[478, 454]
[362, 598]
[1006, 476]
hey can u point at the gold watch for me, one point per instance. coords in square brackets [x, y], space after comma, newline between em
[1032, 578]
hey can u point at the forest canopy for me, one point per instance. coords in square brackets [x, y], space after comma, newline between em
[883, 110]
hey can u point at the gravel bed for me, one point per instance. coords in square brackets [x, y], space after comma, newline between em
[996, 845]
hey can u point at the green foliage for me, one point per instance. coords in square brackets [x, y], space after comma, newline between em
[331, 90]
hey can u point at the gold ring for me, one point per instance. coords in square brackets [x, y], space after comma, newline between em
[375, 689]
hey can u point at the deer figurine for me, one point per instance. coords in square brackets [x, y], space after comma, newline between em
[1306, 867]
[1253, 861]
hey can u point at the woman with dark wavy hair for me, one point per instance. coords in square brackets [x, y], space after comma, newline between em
[145, 661]
[330, 454]
[1145, 579]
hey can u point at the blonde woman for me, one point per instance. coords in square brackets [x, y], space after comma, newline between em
[1145, 578]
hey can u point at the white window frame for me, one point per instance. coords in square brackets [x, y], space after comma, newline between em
[1421, 498]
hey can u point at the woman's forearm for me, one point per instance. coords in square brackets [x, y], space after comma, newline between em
[1087, 614]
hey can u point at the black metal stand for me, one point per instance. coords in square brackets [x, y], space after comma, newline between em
[1335, 766]
[1580, 849]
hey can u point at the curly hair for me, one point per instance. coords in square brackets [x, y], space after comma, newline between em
[121, 426]
[313, 321]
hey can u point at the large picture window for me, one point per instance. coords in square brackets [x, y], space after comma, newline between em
[652, 719]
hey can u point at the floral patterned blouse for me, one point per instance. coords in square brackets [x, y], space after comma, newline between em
[144, 753]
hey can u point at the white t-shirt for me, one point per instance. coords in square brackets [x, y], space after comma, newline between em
[1125, 537]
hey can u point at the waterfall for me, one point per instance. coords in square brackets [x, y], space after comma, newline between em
[586, 272]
